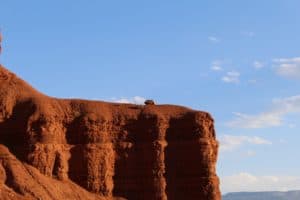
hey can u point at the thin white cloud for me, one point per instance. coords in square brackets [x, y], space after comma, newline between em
[250, 153]
[252, 81]
[132, 100]
[291, 125]
[288, 67]
[232, 142]
[213, 39]
[231, 77]
[286, 60]
[282, 141]
[248, 33]
[268, 119]
[248, 182]
[216, 65]
[216, 68]
[271, 118]
[258, 64]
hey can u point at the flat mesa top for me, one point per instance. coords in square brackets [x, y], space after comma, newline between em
[20, 89]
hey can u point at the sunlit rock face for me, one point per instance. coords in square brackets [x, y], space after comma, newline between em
[79, 149]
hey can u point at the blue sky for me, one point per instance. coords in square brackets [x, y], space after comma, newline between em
[238, 60]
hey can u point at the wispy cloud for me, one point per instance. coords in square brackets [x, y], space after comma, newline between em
[248, 182]
[231, 77]
[248, 33]
[250, 153]
[252, 81]
[216, 65]
[232, 142]
[132, 100]
[214, 39]
[258, 64]
[271, 118]
[288, 67]
[216, 68]
[268, 119]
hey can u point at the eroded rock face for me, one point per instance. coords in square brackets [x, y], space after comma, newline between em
[151, 152]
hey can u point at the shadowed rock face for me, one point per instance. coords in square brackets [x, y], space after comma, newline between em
[152, 152]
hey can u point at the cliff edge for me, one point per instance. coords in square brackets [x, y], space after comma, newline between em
[78, 149]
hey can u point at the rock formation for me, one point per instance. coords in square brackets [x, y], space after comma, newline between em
[78, 149]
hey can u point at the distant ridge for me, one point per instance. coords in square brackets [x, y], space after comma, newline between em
[290, 195]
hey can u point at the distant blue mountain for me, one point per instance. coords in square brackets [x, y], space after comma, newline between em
[290, 195]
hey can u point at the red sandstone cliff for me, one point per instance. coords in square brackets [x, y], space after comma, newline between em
[77, 149]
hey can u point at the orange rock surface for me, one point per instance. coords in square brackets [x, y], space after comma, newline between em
[77, 149]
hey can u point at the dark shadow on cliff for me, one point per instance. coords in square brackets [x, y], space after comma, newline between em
[182, 160]
[77, 164]
[133, 177]
[14, 130]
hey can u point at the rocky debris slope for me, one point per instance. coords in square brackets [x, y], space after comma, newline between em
[22, 181]
[78, 149]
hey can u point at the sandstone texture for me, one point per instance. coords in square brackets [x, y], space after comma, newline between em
[60, 149]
